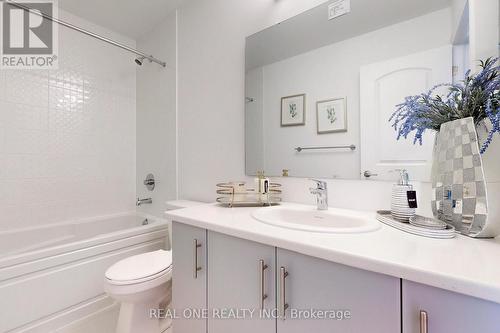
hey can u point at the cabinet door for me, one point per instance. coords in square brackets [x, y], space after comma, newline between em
[446, 311]
[189, 278]
[237, 280]
[372, 300]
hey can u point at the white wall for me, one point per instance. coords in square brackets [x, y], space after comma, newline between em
[211, 51]
[67, 136]
[484, 30]
[333, 72]
[156, 117]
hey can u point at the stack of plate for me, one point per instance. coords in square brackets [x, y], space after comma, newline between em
[427, 222]
[385, 217]
[399, 204]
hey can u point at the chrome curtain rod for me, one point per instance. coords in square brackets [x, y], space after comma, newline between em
[86, 32]
[351, 147]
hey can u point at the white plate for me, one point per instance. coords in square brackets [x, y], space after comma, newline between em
[428, 223]
[385, 217]
[403, 211]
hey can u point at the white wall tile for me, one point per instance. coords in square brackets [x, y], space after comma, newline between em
[67, 136]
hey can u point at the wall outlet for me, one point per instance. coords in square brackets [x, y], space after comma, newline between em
[338, 8]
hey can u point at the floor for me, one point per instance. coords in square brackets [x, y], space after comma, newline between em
[102, 322]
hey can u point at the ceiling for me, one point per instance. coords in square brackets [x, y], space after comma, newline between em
[131, 18]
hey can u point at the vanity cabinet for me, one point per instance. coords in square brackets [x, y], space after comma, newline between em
[218, 279]
[433, 310]
[371, 300]
[189, 278]
[241, 277]
[222, 273]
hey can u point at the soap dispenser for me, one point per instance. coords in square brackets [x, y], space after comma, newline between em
[404, 198]
[261, 183]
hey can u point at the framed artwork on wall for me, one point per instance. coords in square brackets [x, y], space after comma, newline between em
[293, 110]
[332, 115]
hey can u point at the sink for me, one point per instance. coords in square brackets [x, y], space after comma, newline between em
[308, 218]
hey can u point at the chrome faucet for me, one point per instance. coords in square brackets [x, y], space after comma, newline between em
[321, 193]
[143, 201]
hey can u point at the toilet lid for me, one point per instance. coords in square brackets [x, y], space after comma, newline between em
[140, 266]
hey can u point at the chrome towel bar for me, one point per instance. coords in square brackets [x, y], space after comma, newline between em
[351, 147]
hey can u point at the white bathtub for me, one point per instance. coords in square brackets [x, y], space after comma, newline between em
[53, 274]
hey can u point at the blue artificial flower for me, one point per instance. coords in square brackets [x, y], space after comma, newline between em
[476, 96]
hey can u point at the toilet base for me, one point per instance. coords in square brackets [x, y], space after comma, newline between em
[135, 318]
[139, 310]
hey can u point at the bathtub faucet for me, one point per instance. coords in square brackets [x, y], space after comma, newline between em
[143, 201]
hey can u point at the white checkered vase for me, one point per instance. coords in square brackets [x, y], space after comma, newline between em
[465, 183]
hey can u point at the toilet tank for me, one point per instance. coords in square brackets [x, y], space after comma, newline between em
[178, 204]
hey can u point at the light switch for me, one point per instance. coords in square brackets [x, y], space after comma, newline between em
[338, 8]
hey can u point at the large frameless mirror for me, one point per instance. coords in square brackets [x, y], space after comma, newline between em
[321, 87]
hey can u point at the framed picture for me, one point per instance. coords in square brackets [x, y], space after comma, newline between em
[293, 110]
[332, 115]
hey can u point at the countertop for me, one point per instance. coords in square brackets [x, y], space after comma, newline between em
[463, 265]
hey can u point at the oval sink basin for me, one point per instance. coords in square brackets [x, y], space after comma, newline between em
[308, 218]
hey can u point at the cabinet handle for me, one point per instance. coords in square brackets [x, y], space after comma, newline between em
[262, 270]
[283, 305]
[424, 322]
[196, 268]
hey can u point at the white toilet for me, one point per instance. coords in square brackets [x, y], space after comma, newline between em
[142, 283]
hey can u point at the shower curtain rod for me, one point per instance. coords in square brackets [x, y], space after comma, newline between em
[86, 32]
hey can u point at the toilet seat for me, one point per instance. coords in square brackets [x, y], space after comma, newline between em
[140, 268]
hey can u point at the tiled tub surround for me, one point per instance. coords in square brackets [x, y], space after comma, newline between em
[67, 136]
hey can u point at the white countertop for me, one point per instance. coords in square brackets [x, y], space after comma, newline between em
[464, 265]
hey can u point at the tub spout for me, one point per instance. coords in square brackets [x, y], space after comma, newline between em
[143, 201]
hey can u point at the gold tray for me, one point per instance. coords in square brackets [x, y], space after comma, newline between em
[249, 197]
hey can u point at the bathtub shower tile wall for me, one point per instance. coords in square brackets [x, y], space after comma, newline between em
[67, 136]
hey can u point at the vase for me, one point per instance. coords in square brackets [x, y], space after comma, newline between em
[466, 183]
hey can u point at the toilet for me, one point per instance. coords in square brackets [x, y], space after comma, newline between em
[143, 284]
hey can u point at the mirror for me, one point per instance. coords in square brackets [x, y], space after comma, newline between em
[321, 86]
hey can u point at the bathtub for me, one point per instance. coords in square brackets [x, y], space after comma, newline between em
[53, 274]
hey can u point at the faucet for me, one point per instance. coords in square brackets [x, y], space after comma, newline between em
[321, 193]
[143, 201]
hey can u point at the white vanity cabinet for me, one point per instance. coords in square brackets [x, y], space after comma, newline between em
[189, 278]
[229, 277]
[432, 310]
[241, 277]
[372, 300]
